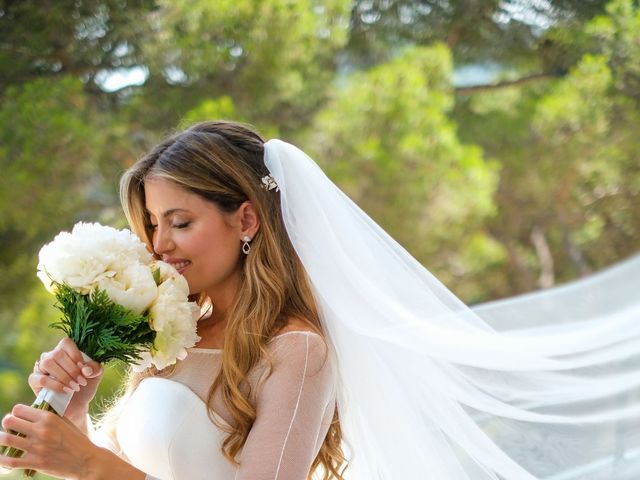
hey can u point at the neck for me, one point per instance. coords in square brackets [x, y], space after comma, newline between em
[222, 297]
[224, 294]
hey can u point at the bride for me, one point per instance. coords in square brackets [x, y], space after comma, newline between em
[327, 351]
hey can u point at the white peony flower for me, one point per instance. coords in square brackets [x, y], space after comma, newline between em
[169, 273]
[68, 260]
[170, 346]
[118, 245]
[175, 320]
[134, 287]
[171, 306]
[89, 254]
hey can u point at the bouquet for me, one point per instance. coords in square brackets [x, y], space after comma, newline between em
[117, 303]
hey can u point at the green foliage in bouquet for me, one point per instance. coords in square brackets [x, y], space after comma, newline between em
[102, 329]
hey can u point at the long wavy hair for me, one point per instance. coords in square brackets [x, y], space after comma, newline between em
[223, 162]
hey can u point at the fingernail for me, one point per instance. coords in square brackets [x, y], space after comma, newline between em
[87, 371]
[75, 386]
[82, 381]
[68, 390]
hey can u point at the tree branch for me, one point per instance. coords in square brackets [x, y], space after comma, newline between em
[547, 273]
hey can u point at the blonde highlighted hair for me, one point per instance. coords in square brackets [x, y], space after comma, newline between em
[223, 162]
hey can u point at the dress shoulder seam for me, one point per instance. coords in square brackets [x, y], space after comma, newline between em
[304, 332]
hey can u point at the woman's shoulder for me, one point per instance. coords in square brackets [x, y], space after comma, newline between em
[299, 334]
[297, 326]
[300, 346]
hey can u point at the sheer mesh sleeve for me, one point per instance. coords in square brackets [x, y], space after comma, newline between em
[295, 406]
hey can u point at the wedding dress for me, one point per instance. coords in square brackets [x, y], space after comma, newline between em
[165, 431]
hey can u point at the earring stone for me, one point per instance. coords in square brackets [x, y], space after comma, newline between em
[246, 246]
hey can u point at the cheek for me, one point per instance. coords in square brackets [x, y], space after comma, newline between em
[216, 257]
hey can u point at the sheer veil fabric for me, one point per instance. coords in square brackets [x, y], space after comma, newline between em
[541, 386]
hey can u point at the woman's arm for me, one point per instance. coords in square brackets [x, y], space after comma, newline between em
[106, 465]
[291, 405]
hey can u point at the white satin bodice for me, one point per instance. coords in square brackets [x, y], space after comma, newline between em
[165, 431]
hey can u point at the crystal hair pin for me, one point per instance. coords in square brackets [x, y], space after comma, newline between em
[269, 183]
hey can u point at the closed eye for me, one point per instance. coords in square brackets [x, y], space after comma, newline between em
[181, 225]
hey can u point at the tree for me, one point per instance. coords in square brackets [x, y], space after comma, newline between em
[69, 38]
[385, 137]
[504, 32]
[569, 179]
[48, 159]
[274, 59]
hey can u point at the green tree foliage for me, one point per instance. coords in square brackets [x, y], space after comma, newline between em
[501, 31]
[386, 138]
[274, 58]
[569, 181]
[48, 147]
[616, 36]
[69, 37]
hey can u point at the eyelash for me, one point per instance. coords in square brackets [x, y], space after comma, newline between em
[177, 225]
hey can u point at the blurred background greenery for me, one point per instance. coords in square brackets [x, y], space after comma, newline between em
[497, 140]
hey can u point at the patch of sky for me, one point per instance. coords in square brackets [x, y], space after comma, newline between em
[476, 74]
[116, 79]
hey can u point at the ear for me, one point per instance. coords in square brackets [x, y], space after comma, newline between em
[249, 221]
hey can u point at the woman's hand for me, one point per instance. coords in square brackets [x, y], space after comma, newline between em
[64, 370]
[52, 445]
[55, 447]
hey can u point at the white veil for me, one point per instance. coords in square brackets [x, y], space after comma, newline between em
[545, 385]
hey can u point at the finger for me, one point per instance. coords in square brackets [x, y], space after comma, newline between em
[72, 349]
[29, 413]
[35, 382]
[38, 381]
[67, 359]
[91, 369]
[75, 356]
[12, 463]
[15, 441]
[16, 424]
[59, 365]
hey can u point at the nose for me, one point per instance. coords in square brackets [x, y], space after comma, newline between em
[162, 241]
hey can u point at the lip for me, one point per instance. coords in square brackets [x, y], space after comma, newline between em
[177, 261]
[181, 270]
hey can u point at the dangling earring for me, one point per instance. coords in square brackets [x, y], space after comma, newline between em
[246, 247]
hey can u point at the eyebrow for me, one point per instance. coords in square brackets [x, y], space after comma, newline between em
[168, 212]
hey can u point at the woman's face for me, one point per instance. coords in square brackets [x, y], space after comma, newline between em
[194, 235]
